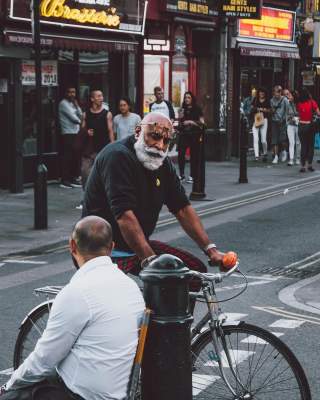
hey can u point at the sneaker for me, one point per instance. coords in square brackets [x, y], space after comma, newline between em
[302, 169]
[297, 161]
[290, 163]
[284, 156]
[275, 160]
[182, 178]
[66, 185]
[189, 180]
[75, 184]
[311, 169]
[79, 207]
[256, 159]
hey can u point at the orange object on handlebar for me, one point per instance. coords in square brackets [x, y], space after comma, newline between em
[229, 260]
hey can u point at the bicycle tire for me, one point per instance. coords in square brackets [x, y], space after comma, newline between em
[207, 379]
[30, 331]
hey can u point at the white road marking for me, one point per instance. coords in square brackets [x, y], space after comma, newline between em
[286, 323]
[303, 260]
[201, 382]
[15, 261]
[235, 316]
[314, 304]
[290, 315]
[240, 286]
[237, 357]
[6, 372]
[255, 340]
[309, 264]
[2, 264]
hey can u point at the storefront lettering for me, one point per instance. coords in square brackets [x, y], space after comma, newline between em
[58, 9]
[193, 8]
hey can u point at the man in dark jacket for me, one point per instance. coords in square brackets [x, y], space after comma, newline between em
[160, 105]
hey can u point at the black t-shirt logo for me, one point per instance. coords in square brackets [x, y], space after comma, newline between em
[158, 183]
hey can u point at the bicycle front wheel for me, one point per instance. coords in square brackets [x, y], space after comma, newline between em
[30, 332]
[260, 366]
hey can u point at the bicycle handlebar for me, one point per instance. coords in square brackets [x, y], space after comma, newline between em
[216, 277]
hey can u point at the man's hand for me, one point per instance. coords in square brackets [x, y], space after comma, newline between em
[2, 390]
[90, 132]
[215, 257]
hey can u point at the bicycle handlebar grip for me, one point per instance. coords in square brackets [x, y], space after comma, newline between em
[229, 260]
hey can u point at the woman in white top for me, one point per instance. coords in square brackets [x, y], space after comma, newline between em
[124, 124]
[292, 130]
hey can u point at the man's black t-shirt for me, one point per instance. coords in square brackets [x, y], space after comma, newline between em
[119, 182]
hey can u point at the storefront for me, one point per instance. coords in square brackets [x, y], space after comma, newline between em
[92, 45]
[181, 52]
[263, 54]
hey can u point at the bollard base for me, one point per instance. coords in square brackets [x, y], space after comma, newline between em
[197, 196]
[41, 198]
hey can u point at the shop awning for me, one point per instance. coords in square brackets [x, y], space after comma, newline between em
[69, 42]
[257, 49]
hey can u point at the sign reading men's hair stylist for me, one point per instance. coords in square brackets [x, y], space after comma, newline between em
[116, 15]
[240, 8]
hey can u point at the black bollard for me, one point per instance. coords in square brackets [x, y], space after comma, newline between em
[243, 143]
[166, 366]
[199, 178]
[41, 198]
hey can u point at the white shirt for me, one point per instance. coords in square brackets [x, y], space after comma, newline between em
[125, 126]
[161, 108]
[91, 335]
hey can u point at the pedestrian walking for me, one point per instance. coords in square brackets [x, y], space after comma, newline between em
[70, 116]
[279, 106]
[160, 105]
[261, 110]
[307, 109]
[292, 129]
[190, 124]
[97, 132]
[125, 123]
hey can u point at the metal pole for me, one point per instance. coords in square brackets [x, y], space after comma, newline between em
[197, 153]
[40, 184]
[243, 143]
[167, 365]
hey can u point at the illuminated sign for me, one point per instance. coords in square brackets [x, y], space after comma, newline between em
[116, 15]
[274, 25]
[240, 8]
[203, 8]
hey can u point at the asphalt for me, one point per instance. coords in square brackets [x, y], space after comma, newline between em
[17, 234]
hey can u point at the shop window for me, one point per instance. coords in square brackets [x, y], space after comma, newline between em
[180, 74]
[49, 106]
[93, 74]
[156, 73]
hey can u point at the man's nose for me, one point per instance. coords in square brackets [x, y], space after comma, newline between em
[159, 145]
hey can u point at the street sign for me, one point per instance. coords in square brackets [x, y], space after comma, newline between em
[275, 24]
[117, 15]
[204, 8]
[240, 8]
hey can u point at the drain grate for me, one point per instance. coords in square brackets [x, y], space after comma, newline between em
[292, 272]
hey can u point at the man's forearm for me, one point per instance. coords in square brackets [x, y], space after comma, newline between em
[134, 236]
[192, 225]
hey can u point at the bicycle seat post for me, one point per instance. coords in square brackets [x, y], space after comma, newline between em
[166, 366]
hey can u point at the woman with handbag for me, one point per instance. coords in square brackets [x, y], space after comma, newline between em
[261, 110]
[191, 123]
[292, 129]
[307, 109]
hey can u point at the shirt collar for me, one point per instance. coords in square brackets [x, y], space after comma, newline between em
[97, 262]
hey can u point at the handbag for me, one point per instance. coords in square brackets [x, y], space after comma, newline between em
[258, 119]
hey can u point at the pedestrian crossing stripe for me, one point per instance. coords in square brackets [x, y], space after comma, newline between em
[201, 382]
[287, 324]
[255, 340]
[237, 357]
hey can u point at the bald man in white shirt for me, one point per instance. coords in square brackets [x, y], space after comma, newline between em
[92, 332]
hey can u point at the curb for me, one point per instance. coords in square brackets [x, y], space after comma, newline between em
[287, 295]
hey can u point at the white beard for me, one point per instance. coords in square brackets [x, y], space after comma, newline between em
[144, 154]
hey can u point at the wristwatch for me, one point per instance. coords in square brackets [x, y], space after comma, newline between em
[207, 248]
[3, 389]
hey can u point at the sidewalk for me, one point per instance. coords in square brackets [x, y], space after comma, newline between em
[17, 233]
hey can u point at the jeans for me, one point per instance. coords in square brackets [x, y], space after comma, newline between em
[294, 142]
[263, 133]
[306, 135]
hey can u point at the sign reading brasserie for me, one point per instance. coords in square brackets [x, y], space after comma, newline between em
[120, 15]
[193, 7]
[274, 25]
[240, 8]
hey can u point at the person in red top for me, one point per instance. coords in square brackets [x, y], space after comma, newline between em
[306, 108]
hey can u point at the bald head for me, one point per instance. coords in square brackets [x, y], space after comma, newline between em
[93, 236]
[156, 118]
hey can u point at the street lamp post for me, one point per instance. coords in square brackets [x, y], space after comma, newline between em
[40, 184]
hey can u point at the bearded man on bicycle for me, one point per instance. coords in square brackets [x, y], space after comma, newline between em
[130, 182]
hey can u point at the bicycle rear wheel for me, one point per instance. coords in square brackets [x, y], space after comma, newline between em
[30, 332]
[264, 367]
